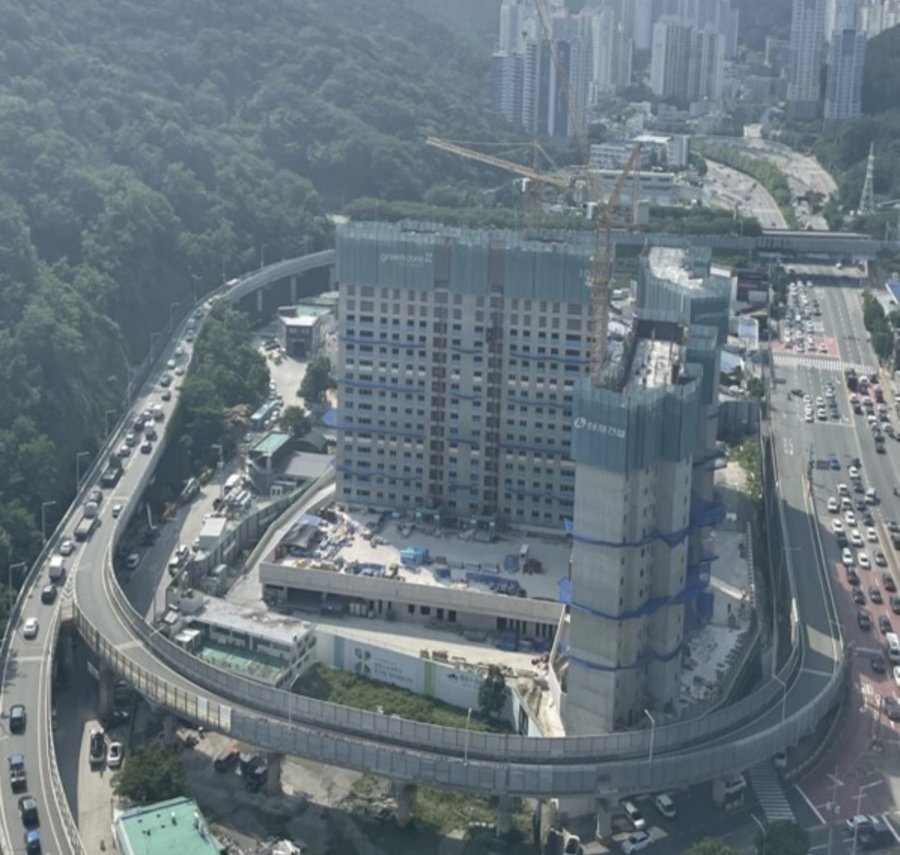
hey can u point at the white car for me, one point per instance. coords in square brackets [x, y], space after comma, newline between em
[853, 472]
[116, 509]
[822, 415]
[855, 537]
[114, 755]
[850, 517]
[636, 842]
[861, 820]
[863, 560]
[665, 805]
[66, 547]
[843, 489]
[833, 506]
[846, 557]
[871, 535]
[837, 525]
[30, 628]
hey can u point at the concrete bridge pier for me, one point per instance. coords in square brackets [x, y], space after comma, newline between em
[106, 702]
[604, 819]
[275, 761]
[294, 290]
[66, 652]
[504, 816]
[406, 798]
[170, 725]
[259, 301]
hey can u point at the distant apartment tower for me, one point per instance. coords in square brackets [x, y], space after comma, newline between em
[879, 15]
[643, 444]
[807, 45]
[846, 59]
[612, 49]
[514, 15]
[716, 15]
[507, 80]
[686, 63]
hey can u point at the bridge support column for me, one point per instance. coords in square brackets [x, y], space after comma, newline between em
[406, 797]
[66, 651]
[107, 695]
[273, 780]
[170, 737]
[504, 816]
[604, 819]
[294, 290]
[259, 302]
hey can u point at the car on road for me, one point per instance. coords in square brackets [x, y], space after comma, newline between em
[855, 537]
[821, 414]
[117, 509]
[868, 519]
[875, 595]
[146, 446]
[227, 759]
[877, 663]
[166, 395]
[636, 842]
[832, 505]
[179, 371]
[124, 451]
[895, 603]
[48, 594]
[847, 557]
[887, 582]
[114, 755]
[853, 471]
[850, 517]
[66, 546]
[30, 628]
[28, 811]
[863, 560]
[892, 526]
[853, 578]
[835, 463]
[33, 842]
[891, 706]
[18, 777]
[858, 822]
[864, 620]
[871, 534]
[837, 526]
[665, 804]
[858, 596]
[17, 718]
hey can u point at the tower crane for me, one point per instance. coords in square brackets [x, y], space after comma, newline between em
[601, 264]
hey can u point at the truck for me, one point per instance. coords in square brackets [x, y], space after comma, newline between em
[113, 471]
[852, 380]
[85, 528]
[57, 569]
[97, 748]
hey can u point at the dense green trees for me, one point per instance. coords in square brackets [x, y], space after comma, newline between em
[152, 773]
[149, 151]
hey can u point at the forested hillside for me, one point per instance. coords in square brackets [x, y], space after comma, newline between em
[149, 149]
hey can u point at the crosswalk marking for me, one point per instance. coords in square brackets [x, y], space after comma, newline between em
[822, 363]
[770, 793]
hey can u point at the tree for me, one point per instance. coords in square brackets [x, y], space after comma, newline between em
[756, 388]
[152, 773]
[317, 381]
[294, 421]
[710, 846]
[492, 693]
[783, 837]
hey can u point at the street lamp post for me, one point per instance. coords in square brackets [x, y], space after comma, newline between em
[466, 748]
[859, 795]
[44, 506]
[262, 255]
[762, 828]
[9, 587]
[113, 412]
[78, 456]
[218, 447]
[834, 807]
[652, 735]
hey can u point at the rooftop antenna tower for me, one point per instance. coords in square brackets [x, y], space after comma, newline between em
[867, 198]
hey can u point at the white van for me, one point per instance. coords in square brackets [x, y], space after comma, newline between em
[57, 569]
[635, 817]
[892, 642]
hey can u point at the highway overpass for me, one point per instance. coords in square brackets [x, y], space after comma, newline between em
[777, 715]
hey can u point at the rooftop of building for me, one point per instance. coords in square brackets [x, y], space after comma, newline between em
[653, 364]
[171, 826]
[360, 545]
[270, 444]
[673, 264]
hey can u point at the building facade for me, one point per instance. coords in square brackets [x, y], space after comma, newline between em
[807, 44]
[459, 352]
[846, 59]
[642, 444]
[686, 63]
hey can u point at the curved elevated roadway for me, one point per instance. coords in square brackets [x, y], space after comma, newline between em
[775, 716]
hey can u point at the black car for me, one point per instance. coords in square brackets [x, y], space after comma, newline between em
[884, 624]
[892, 526]
[853, 577]
[842, 540]
[875, 835]
[895, 604]
[887, 580]
[864, 619]
[835, 463]
[891, 706]
[855, 461]
[860, 504]
[868, 519]
[875, 595]
[29, 812]
[859, 487]
[48, 594]
[17, 718]
[858, 596]
[877, 663]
